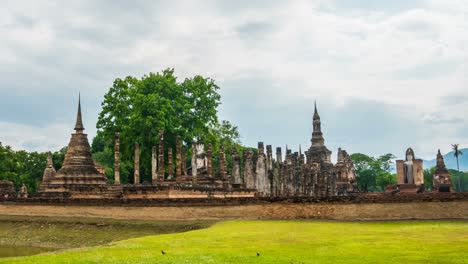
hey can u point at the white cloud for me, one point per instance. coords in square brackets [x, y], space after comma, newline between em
[404, 55]
[33, 138]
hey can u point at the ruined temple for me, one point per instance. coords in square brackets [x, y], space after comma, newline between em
[314, 174]
[441, 177]
[410, 178]
[300, 174]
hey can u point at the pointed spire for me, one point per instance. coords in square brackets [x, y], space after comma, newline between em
[49, 160]
[317, 136]
[316, 115]
[79, 122]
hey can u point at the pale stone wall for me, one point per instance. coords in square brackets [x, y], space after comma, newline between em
[400, 172]
[418, 172]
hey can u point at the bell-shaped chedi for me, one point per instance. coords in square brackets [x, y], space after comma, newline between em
[49, 171]
[78, 167]
[441, 177]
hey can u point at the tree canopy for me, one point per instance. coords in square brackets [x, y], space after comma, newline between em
[139, 108]
[373, 174]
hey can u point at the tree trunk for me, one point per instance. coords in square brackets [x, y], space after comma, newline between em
[459, 176]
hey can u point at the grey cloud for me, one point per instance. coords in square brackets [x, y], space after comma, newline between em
[438, 118]
[90, 41]
[358, 126]
[255, 30]
[427, 71]
[390, 7]
[454, 100]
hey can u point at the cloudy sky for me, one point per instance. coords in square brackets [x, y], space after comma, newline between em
[386, 74]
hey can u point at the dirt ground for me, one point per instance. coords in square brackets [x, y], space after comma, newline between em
[369, 211]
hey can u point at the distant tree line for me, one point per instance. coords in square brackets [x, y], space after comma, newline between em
[28, 167]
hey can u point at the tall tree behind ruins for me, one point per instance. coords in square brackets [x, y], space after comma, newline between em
[139, 108]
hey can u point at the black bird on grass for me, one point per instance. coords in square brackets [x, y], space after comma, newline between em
[162, 252]
[258, 254]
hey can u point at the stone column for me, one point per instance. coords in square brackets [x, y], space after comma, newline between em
[236, 177]
[178, 160]
[154, 165]
[116, 158]
[261, 170]
[194, 163]
[161, 156]
[170, 164]
[302, 179]
[333, 185]
[222, 164]
[248, 170]
[279, 157]
[269, 163]
[183, 158]
[136, 174]
[209, 161]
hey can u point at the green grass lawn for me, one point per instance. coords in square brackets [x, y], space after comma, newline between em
[284, 242]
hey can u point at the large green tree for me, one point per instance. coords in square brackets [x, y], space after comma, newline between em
[139, 108]
[373, 174]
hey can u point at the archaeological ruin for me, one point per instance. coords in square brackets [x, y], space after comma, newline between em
[410, 177]
[308, 174]
[441, 179]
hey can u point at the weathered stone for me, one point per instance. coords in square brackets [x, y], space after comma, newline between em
[136, 173]
[261, 176]
[410, 176]
[23, 193]
[201, 157]
[160, 175]
[154, 165]
[222, 164]
[183, 161]
[194, 163]
[170, 164]
[248, 170]
[78, 166]
[49, 171]
[7, 189]
[209, 161]
[280, 175]
[345, 174]
[269, 176]
[117, 158]
[178, 159]
[236, 176]
[441, 178]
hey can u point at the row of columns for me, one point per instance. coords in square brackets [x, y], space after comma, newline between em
[292, 176]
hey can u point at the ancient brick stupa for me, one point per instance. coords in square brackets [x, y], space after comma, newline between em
[78, 171]
[441, 177]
